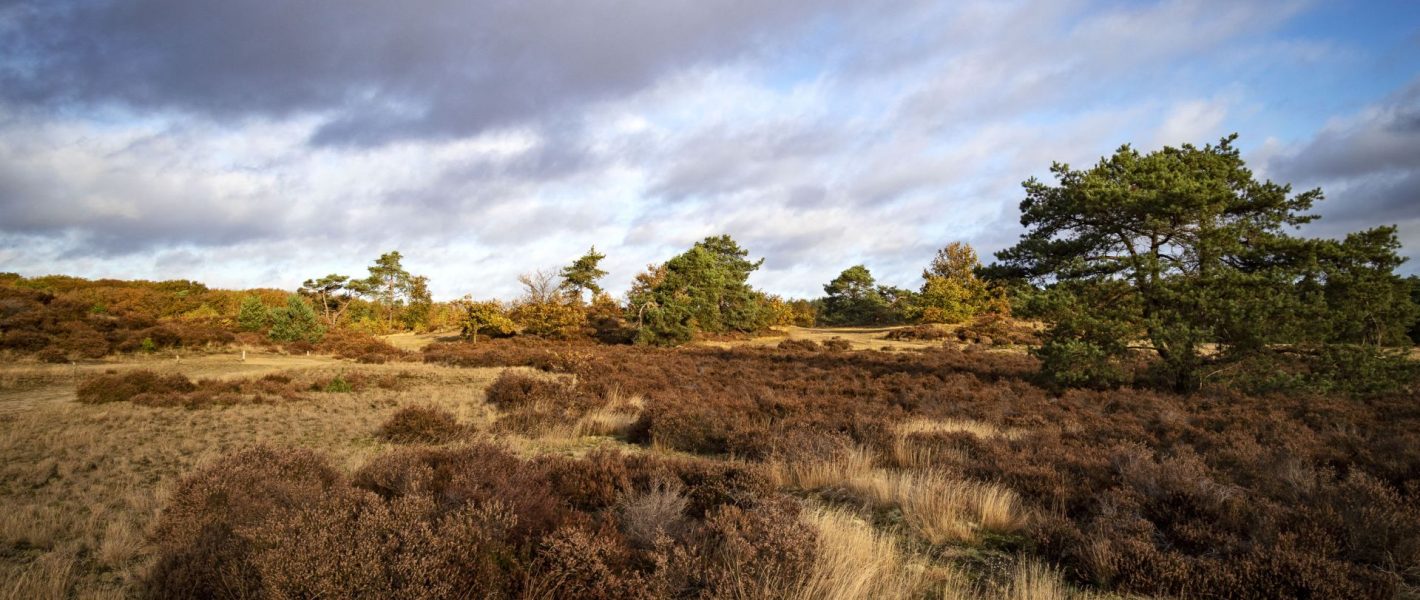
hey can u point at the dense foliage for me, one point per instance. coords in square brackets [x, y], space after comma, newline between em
[703, 290]
[1183, 248]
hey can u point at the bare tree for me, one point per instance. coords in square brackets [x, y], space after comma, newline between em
[541, 286]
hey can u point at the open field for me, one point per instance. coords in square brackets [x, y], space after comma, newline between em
[82, 483]
[919, 472]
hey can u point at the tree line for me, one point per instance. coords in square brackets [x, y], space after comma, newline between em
[1175, 268]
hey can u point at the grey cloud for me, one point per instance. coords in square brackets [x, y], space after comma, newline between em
[382, 70]
[101, 215]
[1369, 168]
[724, 161]
[1385, 138]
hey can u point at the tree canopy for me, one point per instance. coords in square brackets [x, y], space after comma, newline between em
[583, 274]
[1183, 247]
[704, 289]
[854, 298]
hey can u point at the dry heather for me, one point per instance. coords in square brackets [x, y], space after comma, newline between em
[1141, 492]
[583, 471]
[81, 484]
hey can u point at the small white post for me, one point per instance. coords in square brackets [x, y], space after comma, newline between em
[244, 355]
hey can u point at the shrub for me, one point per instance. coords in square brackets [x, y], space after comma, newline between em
[252, 316]
[1141, 492]
[799, 345]
[552, 319]
[201, 549]
[918, 332]
[175, 390]
[1079, 363]
[295, 322]
[114, 387]
[421, 424]
[338, 385]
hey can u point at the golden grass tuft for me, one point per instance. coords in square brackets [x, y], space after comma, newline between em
[1031, 580]
[49, 577]
[854, 463]
[615, 418]
[941, 510]
[910, 455]
[854, 561]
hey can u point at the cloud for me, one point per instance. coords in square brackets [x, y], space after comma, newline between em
[262, 142]
[1368, 165]
[377, 70]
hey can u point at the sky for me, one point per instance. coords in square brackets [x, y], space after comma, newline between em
[259, 143]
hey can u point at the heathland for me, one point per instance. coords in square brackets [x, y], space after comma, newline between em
[1160, 391]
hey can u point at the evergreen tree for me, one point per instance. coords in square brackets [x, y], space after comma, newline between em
[295, 322]
[704, 289]
[583, 274]
[1183, 247]
[854, 298]
[252, 315]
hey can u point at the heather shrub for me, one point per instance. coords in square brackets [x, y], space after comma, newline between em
[515, 390]
[575, 562]
[116, 387]
[421, 424]
[763, 553]
[918, 332]
[515, 352]
[361, 347]
[994, 329]
[148, 388]
[439, 522]
[799, 345]
[1219, 493]
[200, 550]
[476, 474]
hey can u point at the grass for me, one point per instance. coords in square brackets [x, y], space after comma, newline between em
[857, 561]
[615, 418]
[907, 452]
[80, 484]
[938, 508]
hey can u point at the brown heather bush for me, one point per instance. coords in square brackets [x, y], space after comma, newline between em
[421, 425]
[918, 332]
[1215, 494]
[532, 404]
[115, 387]
[148, 388]
[993, 329]
[800, 345]
[361, 347]
[443, 522]
[511, 352]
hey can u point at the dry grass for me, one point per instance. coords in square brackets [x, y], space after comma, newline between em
[80, 484]
[854, 561]
[51, 576]
[615, 418]
[1033, 580]
[909, 454]
[855, 463]
[939, 509]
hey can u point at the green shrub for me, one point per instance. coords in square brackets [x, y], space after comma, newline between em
[296, 322]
